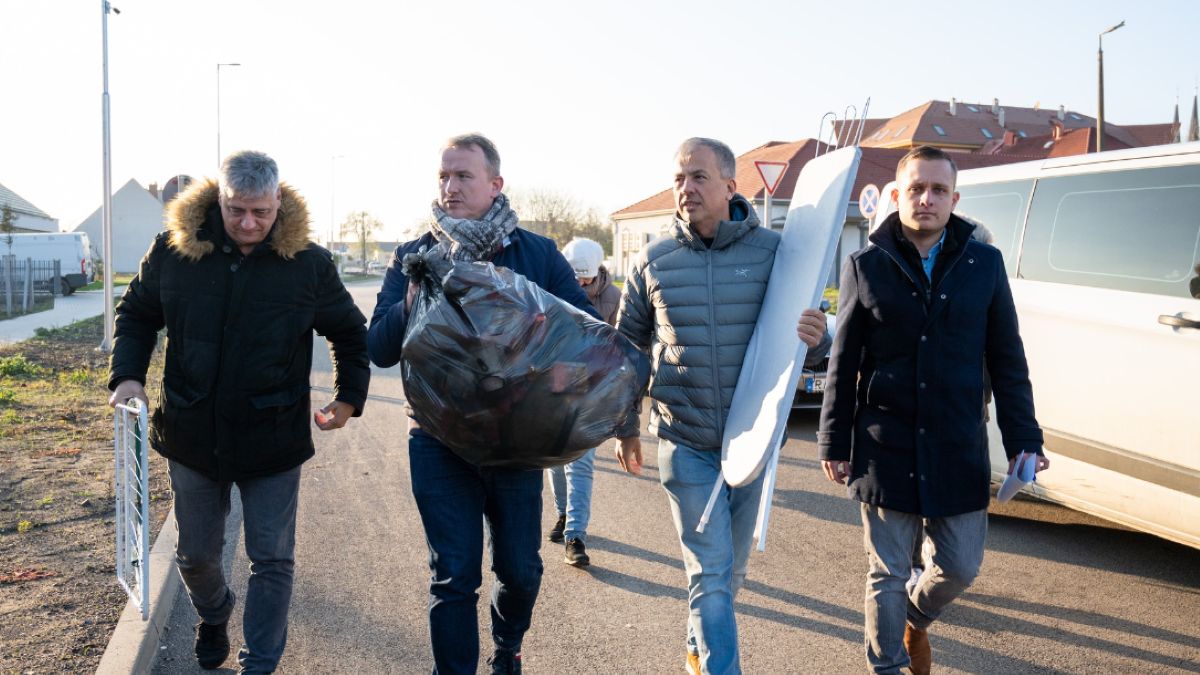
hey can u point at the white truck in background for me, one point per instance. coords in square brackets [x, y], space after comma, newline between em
[71, 249]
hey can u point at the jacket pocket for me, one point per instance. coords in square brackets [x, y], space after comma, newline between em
[181, 425]
[275, 424]
[891, 391]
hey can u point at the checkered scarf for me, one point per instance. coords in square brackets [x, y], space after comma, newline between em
[475, 240]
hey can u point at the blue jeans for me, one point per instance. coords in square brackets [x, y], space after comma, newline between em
[955, 551]
[715, 560]
[458, 502]
[571, 485]
[269, 518]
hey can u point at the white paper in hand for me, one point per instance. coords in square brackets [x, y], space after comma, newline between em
[1024, 469]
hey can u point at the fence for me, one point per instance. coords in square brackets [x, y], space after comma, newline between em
[24, 284]
[131, 493]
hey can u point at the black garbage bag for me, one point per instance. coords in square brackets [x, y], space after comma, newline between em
[507, 374]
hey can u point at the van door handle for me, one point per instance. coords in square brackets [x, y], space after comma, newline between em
[1177, 321]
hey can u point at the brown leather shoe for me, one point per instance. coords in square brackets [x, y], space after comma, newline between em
[920, 656]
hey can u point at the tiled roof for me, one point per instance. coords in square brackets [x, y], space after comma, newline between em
[1153, 134]
[18, 204]
[1072, 142]
[965, 127]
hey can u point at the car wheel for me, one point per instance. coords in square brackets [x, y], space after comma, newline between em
[65, 286]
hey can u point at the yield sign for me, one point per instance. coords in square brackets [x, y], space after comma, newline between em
[771, 173]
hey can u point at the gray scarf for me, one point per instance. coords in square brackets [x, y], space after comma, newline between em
[475, 240]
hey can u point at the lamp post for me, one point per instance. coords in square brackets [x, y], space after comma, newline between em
[106, 204]
[219, 108]
[1100, 89]
[332, 194]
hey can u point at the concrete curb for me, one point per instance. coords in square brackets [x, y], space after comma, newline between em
[134, 644]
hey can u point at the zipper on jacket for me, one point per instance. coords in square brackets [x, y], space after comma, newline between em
[716, 366]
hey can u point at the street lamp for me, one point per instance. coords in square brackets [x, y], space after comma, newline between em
[1100, 73]
[219, 108]
[332, 193]
[106, 204]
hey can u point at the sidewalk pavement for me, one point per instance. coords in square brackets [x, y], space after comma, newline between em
[67, 310]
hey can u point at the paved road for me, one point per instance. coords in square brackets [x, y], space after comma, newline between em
[1059, 591]
[67, 310]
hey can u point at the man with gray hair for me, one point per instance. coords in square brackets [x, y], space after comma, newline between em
[240, 289]
[458, 500]
[694, 296]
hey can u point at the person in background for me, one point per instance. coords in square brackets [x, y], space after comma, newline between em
[571, 484]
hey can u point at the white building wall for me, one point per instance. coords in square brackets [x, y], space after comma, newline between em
[631, 235]
[137, 217]
[29, 223]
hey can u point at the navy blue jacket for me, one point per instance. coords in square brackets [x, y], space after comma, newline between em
[533, 256]
[904, 402]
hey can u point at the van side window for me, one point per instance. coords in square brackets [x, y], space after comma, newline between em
[1127, 230]
[1001, 208]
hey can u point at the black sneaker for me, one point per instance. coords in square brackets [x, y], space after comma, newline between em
[212, 645]
[556, 532]
[505, 662]
[576, 555]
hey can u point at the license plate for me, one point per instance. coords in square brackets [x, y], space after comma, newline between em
[814, 385]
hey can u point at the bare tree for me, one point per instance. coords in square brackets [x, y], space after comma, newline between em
[8, 224]
[561, 217]
[362, 226]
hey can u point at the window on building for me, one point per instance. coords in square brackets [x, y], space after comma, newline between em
[986, 133]
[1075, 117]
[940, 131]
[1047, 145]
[899, 131]
[880, 134]
[1022, 134]
[972, 108]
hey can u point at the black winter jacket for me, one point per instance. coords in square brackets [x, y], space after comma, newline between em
[235, 392]
[904, 400]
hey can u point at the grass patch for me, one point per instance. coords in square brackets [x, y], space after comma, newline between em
[24, 526]
[41, 303]
[19, 367]
[8, 399]
[98, 285]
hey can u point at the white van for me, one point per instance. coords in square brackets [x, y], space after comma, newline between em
[1103, 253]
[71, 249]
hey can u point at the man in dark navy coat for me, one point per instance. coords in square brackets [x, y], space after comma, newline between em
[924, 310]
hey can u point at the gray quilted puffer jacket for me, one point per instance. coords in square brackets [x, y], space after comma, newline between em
[694, 308]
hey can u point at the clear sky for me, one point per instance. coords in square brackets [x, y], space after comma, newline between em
[586, 98]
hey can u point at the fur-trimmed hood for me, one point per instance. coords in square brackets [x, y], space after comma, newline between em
[187, 212]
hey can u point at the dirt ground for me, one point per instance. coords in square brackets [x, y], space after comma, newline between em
[59, 597]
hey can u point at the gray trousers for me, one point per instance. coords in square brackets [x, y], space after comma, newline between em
[269, 518]
[955, 550]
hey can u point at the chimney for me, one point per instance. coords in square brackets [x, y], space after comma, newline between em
[1001, 116]
[153, 190]
[953, 106]
[1057, 127]
[1010, 138]
[1062, 113]
[995, 106]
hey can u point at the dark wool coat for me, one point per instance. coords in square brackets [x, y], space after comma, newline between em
[904, 402]
[235, 392]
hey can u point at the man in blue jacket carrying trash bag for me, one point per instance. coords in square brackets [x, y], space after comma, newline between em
[457, 499]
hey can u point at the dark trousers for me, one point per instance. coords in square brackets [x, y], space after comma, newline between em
[458, 503]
